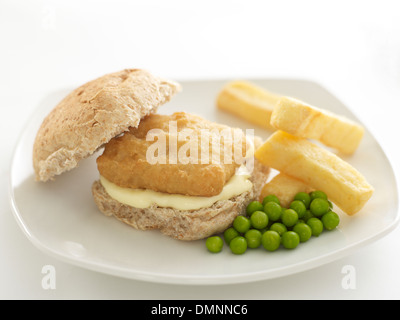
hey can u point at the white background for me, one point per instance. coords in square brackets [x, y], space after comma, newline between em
[350, 47]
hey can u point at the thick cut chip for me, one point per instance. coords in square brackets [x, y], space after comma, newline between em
[249, 102]
[317, 167]
[285, 188]
[303, 120]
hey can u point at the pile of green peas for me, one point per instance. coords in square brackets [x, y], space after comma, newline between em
[270, 225]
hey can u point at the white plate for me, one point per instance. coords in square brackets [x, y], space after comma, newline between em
[61, 219]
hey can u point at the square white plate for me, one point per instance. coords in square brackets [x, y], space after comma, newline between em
[61, 219]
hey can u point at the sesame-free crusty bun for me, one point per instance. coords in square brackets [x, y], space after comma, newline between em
[183, 224]
[93, 114]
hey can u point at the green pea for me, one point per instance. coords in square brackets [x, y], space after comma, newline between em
[241, 224]
[299, 207]
[305, 197]
[278, 227]
[273, 210]
[290, 239]
[318, 194]
[254, 206]
[319, 207]
[289, 217]
[259, 219]
[307, 215]
[330, 220]
[214, 244]
[272, 198]
[316, 226]
[229, 234]
[303, 230]
[238, 245]
[271, 240]
[253, 238]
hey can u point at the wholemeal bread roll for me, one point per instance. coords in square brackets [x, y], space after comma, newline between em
[183, 224]
[92, 115]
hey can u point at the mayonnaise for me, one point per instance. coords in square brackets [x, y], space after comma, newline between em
[143, 198]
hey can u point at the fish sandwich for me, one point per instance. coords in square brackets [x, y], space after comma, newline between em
[180, 173]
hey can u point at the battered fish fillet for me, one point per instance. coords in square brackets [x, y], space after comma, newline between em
[197, 165]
